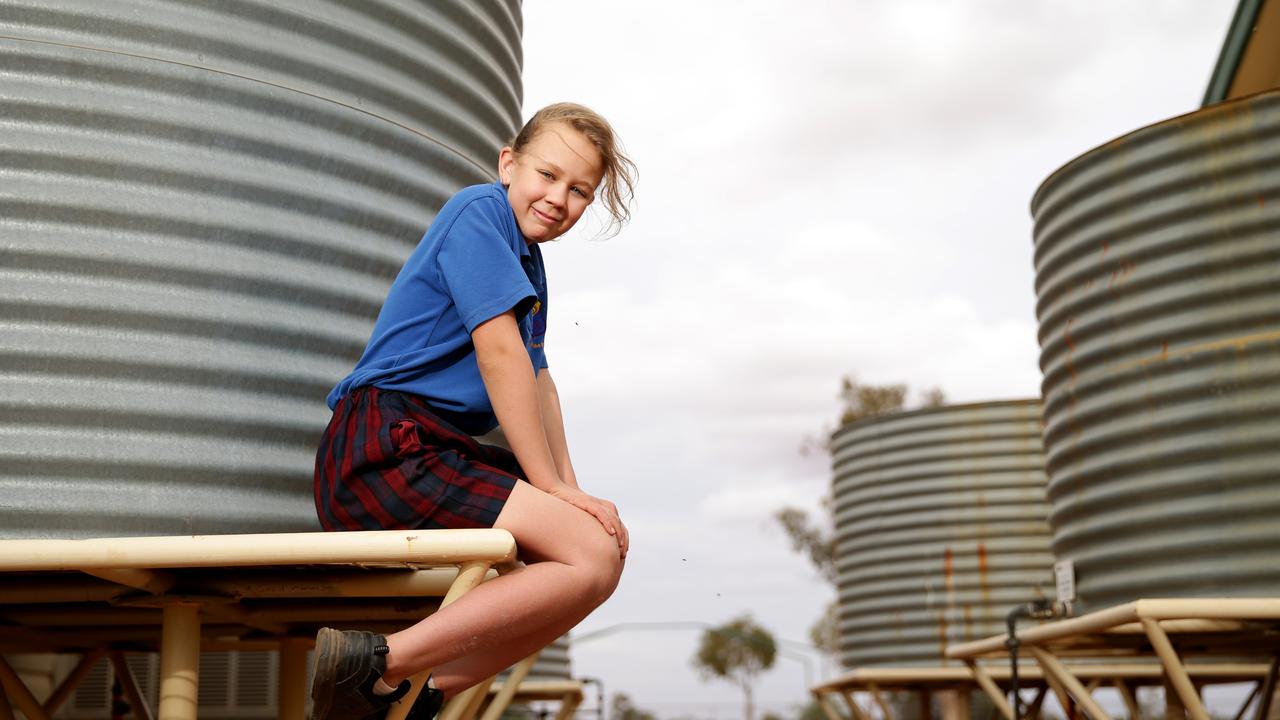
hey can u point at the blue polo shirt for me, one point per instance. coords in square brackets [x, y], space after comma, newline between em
[473, 264]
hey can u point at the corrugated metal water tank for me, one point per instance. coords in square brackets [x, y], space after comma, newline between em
[202, 205]
[1157, 263]
[941, 528]
[553, 663]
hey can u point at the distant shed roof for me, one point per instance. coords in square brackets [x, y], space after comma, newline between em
[1250, 59]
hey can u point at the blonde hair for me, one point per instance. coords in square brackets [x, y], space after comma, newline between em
[618, 183]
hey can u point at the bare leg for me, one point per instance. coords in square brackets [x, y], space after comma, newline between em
[573, 567]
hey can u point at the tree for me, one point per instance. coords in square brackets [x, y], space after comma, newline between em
[933, 397]
[808, 538]
[864, 401]
[816, 539]
[737, 651]
[621, 708]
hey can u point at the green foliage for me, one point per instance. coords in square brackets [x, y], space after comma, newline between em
[860, 401]
[864, 401]
[621, 708]
[825, 633]
[807, 538]
[737, 651]
[814, 711]
[933, 397]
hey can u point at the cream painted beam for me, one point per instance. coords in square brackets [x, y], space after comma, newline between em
[72, 681]
[509, 686]
[1052, 666]
[1059, 692]
[1209, 608]
[456, 707]
[1248, 700]
[1033, 709]
[180, 662]
[473, 705]
[821, 699]
[78, 590]
[1174, 670]
[549, 690]
[152, 581]
[879, 700]
[424, 547]
[18, 693]
[1192, 614]
[992, 690]
[1093, 622]
[568, 705]
[470, 574]
[292, 684]
[6, 710]
[1268, 689]
[1130, 700]
[432, 582]
[129, 684]
[855, 710]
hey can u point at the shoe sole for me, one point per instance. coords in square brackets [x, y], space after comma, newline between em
[324, 664]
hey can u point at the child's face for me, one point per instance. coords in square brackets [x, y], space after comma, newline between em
[551, 182]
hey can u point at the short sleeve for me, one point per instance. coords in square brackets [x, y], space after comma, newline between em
[481, 270]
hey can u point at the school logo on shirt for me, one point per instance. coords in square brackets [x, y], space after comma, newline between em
[537, 324]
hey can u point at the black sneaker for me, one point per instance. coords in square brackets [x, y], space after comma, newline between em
[346, 665]
[427, 705]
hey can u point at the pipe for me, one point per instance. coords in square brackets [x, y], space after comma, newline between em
[1038, 609]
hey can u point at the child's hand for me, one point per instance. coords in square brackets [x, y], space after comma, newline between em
[599, 508]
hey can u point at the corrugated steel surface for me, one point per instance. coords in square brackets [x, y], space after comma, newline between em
[202, 205]
[553, 663]
[1157, 266]
[941, 528]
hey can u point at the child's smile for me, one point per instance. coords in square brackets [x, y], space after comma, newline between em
[551, 182]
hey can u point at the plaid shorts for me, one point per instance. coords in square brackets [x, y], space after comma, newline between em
[388, 462]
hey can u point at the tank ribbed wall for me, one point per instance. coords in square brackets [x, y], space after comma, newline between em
[553, 663]
[203, 205]
[1157, 258]
[941, 528]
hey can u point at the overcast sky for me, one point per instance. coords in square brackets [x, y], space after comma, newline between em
[826, 188]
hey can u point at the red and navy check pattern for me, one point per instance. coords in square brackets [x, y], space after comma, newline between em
[387, 462]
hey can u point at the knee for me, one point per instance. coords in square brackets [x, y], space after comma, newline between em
[604, 566]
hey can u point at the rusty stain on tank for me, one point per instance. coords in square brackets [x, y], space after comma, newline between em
[984, 583]
[1071, 349]
[942, 633]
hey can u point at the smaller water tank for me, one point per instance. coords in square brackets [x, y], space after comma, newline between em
[941, 528]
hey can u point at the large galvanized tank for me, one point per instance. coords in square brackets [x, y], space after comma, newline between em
[1157, 263]
[941, 528]
[552, 664]
[202, 207]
